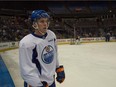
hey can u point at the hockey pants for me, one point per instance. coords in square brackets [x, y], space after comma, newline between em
[53, 85]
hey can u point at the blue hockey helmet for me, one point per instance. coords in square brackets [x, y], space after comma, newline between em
[37, 14]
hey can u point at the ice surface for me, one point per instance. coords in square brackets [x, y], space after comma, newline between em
[86, 65]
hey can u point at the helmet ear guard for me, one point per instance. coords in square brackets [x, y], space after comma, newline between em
[35, 26]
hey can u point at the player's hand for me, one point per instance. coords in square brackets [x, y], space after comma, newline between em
[60, 74]
[45, 84]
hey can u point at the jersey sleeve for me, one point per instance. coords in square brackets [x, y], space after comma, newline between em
[28, 69]
[57, 61]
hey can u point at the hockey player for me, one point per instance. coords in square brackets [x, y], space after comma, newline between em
[38, 54]
[77, 41]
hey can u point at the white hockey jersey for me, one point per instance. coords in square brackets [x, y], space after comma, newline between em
[38, 58]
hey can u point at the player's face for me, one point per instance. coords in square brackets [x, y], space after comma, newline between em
[43, 24]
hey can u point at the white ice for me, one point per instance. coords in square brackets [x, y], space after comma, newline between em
[86, 65]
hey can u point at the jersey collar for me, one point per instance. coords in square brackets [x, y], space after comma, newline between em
[38, 36]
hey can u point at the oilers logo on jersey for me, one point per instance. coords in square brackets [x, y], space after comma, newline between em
[47, 54]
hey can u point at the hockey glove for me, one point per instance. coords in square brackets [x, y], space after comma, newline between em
[45, 84]
[60, 74]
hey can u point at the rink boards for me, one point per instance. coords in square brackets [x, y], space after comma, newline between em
[5, 78]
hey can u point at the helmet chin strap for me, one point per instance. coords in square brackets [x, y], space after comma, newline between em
[41, 32]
